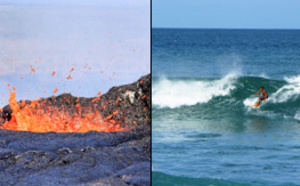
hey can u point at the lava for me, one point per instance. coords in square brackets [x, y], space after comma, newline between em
[32, 69]
[42, 116]
[56, 89]
[35, 117]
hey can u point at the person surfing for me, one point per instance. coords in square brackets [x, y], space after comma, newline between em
[264, 96]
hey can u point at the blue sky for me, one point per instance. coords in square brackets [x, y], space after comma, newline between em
[111, 36]
[260, 14]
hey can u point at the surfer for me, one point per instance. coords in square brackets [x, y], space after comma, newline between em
[264, 96]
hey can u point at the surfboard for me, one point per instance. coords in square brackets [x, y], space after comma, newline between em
[250, 102]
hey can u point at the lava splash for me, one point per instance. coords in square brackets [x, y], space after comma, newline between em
[36, 117]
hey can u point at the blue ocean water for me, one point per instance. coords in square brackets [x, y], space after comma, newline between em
[204, 129]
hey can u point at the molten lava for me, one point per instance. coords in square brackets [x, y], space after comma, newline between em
[37, 117]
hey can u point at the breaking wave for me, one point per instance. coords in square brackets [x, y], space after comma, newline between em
[175, 93]
[289, 92]
[228, 93]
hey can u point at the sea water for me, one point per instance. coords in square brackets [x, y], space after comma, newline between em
[204, 129]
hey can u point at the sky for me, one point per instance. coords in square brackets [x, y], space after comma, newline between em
[254, 14]
[78, 47]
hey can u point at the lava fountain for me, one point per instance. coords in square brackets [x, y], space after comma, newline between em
[40, 116]
[121, 109]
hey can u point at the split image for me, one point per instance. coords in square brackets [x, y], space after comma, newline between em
[140, 92]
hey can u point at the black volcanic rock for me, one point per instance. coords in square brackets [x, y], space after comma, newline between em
[92, 158]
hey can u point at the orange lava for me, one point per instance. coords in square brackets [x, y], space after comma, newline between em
[35, 118]
[56, 89]
[32, 69]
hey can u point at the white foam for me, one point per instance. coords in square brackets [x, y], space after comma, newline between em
[173, 93]
[250, 101]
[297, 115]
[288, 92]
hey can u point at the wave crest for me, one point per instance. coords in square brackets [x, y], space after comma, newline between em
[289, 92]
[176, 93]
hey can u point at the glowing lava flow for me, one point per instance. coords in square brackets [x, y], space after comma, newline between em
[36, 118]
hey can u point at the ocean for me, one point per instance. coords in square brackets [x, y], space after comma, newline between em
[204, 128]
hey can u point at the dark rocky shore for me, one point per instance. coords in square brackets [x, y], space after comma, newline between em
[92, 158]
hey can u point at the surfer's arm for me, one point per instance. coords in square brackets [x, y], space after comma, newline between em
[255, 93]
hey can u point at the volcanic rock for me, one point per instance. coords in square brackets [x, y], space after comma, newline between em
[91, 158]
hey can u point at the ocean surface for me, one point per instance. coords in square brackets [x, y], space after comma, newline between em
[204, 129]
